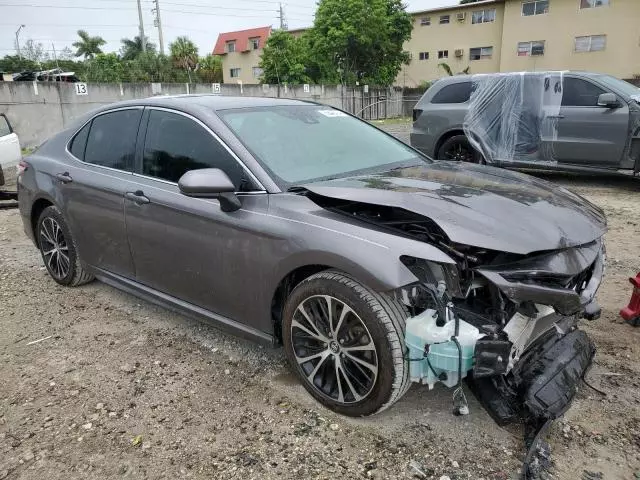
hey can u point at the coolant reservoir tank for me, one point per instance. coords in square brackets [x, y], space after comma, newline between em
[441, 362]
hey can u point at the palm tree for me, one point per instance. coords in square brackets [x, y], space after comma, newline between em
[132, 48]
[184, 54]
[447, 68]
[88, 46]
[210, 69]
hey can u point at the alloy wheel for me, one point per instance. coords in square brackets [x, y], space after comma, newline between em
[459, 153]
[54, 248]
[334, 349]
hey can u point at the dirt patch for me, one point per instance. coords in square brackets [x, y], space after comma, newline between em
[117, 387]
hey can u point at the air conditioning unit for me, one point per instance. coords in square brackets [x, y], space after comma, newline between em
[458, 52]
[461, 16]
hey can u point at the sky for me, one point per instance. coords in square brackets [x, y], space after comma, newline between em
[54, 23]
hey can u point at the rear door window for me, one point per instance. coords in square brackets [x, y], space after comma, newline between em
[175, 144]
[454, 93]
[5, 128]
[112, 139]
[79, 142]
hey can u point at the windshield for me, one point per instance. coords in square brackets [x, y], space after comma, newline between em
[624, 87]
[306, 143]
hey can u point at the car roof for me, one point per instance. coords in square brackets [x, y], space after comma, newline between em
[209, 101]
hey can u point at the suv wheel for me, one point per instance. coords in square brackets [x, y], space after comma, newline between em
[346, 343]
[59, 250]
[458, 149]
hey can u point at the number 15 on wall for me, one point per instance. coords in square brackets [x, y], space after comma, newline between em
[81, 89]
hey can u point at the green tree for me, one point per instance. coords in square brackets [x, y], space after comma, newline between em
[284, 59]
[184, 54]
[152, 67]
[210, 69]
[130, 49]
[88, 46]
[34, 51]
[361, 40]
[15, 64]
[105, 67]
[447, 69]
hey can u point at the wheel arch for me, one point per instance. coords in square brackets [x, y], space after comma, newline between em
[37, 208]
[299, 267]
[446, 136]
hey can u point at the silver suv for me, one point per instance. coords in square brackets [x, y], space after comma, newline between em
[550, 120]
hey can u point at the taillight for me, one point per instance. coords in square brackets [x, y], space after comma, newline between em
[416, 113]
[22, 167]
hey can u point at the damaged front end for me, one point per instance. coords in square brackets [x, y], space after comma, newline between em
[507, 322]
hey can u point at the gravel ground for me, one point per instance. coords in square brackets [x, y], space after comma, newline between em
[119, 388]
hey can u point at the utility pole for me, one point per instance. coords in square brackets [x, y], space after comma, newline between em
[55, 57]
[283, 19]
[158, 23]
[18, 40]
[142, 37]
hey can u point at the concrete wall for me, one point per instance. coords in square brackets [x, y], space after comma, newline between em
[38, 110]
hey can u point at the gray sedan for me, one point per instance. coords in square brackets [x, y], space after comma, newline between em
[297, 224]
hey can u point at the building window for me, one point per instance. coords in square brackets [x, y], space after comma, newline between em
[254, 43]
[530, 49]
[534, 7]
[231, 46]
[593, 3]
[443, 53]
[425, 21]
[591, 43]
[444, 19]
[424, 55]
[234, 72]
[480, 53]
[484, 16]
[256, 72]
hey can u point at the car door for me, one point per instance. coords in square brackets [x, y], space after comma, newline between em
[588, 134]
[92, 186]
[185, 247]
[10, 153]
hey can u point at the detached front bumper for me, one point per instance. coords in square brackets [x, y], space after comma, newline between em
[543, 383]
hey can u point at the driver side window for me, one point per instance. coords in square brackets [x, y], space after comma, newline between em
[580, 93]
[175, 144]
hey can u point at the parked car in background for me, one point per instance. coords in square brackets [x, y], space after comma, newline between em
[297, 224]
[550, 120]
[10, 155]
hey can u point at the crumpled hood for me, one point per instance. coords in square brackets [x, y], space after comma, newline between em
[481, 206]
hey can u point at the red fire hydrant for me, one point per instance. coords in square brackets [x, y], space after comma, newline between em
[632, 312]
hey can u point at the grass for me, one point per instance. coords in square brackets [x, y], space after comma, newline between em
[27, 150]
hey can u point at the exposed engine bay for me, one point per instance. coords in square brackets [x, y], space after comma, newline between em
[506, 322]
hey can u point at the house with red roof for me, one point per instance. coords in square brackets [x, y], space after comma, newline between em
[240, 52]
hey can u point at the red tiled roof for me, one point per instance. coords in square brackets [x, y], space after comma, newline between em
[242, 39]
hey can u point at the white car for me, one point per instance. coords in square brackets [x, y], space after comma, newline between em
[10, 155]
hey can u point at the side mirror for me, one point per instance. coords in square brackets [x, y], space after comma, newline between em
[608, 100]
[210, 183]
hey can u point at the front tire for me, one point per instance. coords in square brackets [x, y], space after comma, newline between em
[346, 343]
[58, 249]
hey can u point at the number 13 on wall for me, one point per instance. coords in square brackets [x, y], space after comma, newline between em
[81, 89]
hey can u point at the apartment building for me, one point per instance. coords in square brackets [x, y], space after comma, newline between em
[490, 36]
[516, 35]
[241, 53]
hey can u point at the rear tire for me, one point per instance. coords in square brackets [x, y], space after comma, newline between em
[458, 149]
[356, 365]
[58, 249]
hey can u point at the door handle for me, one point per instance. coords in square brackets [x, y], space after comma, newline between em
[137, 197]
[555, 116]
[64, 177]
